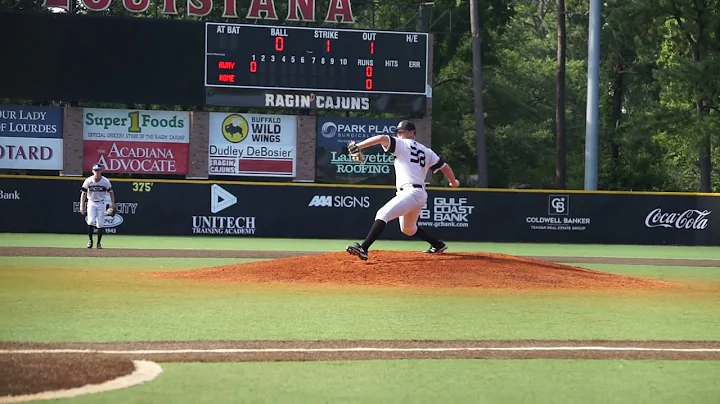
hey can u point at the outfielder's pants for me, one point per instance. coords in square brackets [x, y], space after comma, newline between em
[95, 214]
[406, 205]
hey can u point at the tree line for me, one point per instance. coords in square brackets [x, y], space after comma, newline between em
[659, 86]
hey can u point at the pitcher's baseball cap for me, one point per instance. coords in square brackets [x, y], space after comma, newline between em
[97, 167]
[407, 125]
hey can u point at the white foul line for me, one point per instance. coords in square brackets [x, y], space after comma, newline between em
[356, 349]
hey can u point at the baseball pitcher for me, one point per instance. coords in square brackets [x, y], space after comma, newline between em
[93, 192]
[412, 162]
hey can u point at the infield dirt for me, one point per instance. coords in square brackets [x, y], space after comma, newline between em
[28, 374]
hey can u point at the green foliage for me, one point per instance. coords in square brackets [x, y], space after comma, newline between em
[668, 50]
[660, 56]
[659, 85]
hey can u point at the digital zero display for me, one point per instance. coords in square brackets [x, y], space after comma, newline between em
[315, 59]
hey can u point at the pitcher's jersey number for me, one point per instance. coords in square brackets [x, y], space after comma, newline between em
[417, 156]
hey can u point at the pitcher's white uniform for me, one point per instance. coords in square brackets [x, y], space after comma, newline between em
[96, 192]
[412, 162]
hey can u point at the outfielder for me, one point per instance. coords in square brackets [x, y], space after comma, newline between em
[93, 191]
[412, 162]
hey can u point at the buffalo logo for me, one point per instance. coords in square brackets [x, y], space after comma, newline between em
[235, 128]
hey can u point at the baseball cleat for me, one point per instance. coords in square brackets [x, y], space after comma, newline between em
[99, 245]
[357, 250]
[436, 250]
[89, 244]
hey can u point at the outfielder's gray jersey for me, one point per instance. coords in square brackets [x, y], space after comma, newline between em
[96, 190]
[412, 161]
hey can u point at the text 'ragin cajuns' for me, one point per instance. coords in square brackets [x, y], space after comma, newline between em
[317, 102]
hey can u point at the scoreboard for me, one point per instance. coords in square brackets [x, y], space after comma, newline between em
[264, 57]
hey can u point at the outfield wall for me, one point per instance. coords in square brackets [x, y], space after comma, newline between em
[232, 209]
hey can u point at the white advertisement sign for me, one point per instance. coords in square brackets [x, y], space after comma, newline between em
[252, 145]
[136, 125]
[31, 153]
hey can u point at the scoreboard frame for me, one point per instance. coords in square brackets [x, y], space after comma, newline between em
[240, 87]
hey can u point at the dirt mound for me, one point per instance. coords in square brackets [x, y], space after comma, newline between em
[395, 268]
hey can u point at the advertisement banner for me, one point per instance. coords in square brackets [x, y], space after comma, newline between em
[449, 211]
[31, 153]
[333, 163]
[136, 141]
[252, 145]
[133, 205]
[340, 213]
[31, 137]
[549, 217]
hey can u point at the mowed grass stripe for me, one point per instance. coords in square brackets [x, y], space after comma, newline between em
[117, 263]
[430, 381]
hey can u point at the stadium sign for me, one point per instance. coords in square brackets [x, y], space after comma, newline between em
[298, 10]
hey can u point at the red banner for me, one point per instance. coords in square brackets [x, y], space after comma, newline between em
[136, 157]
[265, 166]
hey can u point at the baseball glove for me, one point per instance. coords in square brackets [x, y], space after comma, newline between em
[355, 153]
[110, 211]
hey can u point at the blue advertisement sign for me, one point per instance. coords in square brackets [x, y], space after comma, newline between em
[332, 161]
[30, 121]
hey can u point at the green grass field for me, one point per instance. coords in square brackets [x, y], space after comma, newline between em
[47, 299]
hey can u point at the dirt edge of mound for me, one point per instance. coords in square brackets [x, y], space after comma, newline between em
[414, 269]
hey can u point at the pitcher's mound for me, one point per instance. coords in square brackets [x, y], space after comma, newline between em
[395, 268]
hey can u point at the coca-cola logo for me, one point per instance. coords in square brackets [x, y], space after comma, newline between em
[690, 219]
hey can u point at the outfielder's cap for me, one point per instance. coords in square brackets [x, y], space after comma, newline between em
[407, 125]
[97, 167]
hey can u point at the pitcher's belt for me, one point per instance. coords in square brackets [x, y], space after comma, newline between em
[410, 185]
